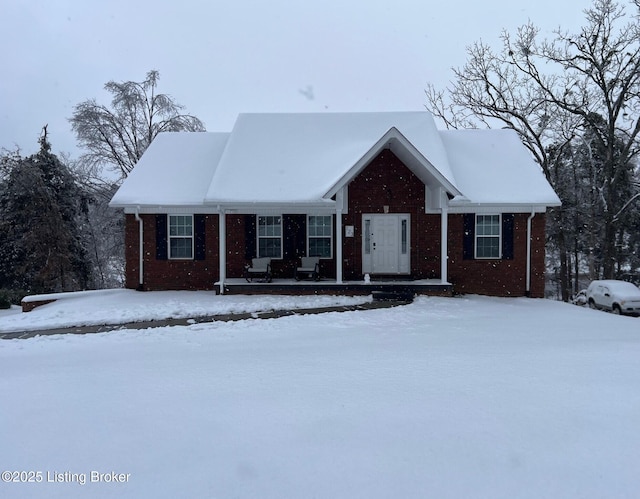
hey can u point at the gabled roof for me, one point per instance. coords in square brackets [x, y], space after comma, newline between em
[410, 156]
[299, 158]
[305, 159]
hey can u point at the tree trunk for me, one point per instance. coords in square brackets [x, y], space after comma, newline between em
[564, 268]
[609, 248]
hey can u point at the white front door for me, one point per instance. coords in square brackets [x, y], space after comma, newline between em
[385, 244]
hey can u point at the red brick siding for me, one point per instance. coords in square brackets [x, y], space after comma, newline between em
[499, 277]
[386, 181]
[282, 268]
[28, 306]
[169, 274]
[193, 274]
[236, 245]
[538, 256]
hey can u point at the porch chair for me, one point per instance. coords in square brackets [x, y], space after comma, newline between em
[260, 268]
[309, 267]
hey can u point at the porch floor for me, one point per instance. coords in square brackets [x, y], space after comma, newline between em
[330, 286]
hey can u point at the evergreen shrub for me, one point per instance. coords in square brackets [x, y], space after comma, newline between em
[5, 299]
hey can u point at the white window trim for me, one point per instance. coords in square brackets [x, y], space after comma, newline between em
[170, 237]
[330, 236]
[476, 236]
[258, 237]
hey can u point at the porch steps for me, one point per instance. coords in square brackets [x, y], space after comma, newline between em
[402, 295]
[400, 290]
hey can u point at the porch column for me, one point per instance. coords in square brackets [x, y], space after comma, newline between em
[222, 250]
[444, 221]
[339, 261]
[528, 275]
[140, 249]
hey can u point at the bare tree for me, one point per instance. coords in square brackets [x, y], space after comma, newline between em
[118, 135]
[560, 91]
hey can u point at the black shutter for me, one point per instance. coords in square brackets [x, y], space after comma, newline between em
[301, 236]
[294, 236]
[161, 237]
[199, 222]
[249, 236]
[469, 232]
[507, 236]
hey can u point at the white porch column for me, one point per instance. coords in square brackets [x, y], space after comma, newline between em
[140, 249]
[222, 251]
[339, 261]
[444, 256]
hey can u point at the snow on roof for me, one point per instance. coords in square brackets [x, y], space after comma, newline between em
[302, 158]
[298, 157]
[493, 167]
[175, 170]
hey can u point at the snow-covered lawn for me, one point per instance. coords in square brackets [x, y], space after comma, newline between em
[120, 306]
[469, 397]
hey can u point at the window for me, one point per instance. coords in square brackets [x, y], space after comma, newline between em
[181, 236]
[269, 236]
[319, 236]
[367, 236]
[403, 236]
[488, 236]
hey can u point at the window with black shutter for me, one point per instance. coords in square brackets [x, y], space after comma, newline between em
[269, 228]
[320, 233]
[180, 237]
[488, 236]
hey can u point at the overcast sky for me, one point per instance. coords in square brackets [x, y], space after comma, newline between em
[223, 58]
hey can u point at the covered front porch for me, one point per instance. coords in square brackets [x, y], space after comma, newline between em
[386, 216]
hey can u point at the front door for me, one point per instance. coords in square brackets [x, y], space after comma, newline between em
[385, 244]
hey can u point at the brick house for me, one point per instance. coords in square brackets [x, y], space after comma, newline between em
[378, 197]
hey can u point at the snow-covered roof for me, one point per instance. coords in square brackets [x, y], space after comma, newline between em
[305, 158]
[493, 167]
[298, 157]
[175, 170]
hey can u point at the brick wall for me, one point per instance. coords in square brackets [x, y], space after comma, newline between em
[236, 245]
[386, 181]
[499, 277]
[283, 268]
[169, 274]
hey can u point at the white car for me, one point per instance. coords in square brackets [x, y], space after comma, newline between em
[619, 297]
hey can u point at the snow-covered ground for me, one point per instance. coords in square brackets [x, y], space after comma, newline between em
[121, 306]
[468, 397]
